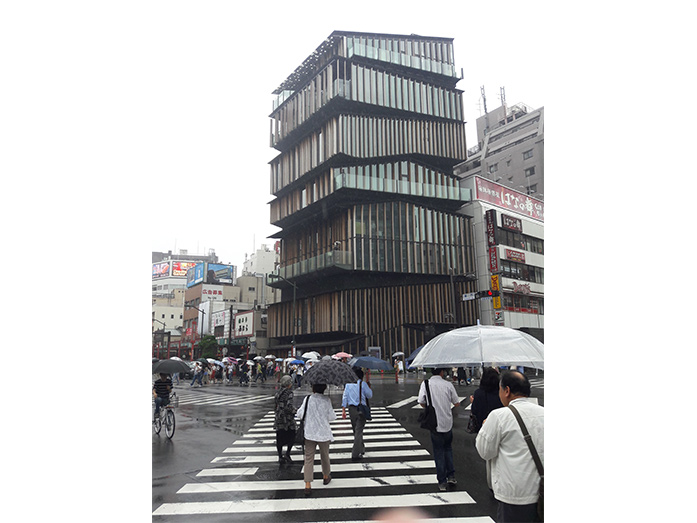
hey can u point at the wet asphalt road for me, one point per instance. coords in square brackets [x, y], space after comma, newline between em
[199, 474]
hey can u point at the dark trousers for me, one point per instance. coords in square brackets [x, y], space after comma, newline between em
[284, 438]
[357, 424]
[507, 513]
[443, 454]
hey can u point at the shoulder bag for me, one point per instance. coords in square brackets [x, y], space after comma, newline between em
[363, 409]
[300, 433]
[427, 418]
[536, 459]
[474, 424]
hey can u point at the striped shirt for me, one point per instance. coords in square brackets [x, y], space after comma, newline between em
[444, 397]
[162, 387]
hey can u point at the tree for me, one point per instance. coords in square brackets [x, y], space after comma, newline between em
[208, 346]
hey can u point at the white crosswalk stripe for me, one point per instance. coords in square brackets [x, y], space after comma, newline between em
[396, 472]
[212, 399]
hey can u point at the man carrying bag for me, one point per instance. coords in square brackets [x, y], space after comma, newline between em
[513, 439]
[441, 395]
[356, 396]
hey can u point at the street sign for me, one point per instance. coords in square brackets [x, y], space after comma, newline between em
[469, 296]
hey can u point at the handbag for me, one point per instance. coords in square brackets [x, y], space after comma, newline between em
[363, 409]
[538, 463]
[300, 433]
[427, 418]
[474, 424]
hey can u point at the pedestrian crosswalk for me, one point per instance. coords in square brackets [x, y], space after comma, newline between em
[244, 482]
[187, 397]
[537, 383]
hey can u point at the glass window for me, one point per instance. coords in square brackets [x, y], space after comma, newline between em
[527, 154]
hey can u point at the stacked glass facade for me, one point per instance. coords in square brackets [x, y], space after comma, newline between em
[369, 128]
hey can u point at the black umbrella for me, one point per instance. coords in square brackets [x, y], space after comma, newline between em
[330, 372]
[369, 362]
[170, 367]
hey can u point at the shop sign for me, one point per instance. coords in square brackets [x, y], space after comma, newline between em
[495, 282]
[511, 223]
[490, 216]
[510, 199]
[515, 256]
[523, 288]
[493, 260]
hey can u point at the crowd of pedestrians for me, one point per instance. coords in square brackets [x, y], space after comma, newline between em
[513, 476]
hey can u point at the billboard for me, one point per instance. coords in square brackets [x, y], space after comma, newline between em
[194, 275]
[219, 273]
[179, 268]
[160, 270]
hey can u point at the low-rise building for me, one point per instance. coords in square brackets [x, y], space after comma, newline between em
[509, 249]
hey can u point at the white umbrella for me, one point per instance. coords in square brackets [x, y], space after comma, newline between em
[311, 355]
[482, 345]
[397, 354]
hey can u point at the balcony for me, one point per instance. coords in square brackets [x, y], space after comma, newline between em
[349, 180]
[333, 259]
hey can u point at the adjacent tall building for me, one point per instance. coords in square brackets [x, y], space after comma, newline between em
[373, 253]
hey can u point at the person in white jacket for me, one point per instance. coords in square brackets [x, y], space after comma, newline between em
[514, 476]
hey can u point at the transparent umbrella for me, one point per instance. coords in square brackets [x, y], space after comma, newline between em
[482, 345]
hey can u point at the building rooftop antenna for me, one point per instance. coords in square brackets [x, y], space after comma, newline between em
[486, 113]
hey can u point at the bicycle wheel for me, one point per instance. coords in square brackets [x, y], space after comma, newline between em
[157, 424]
[169, 423]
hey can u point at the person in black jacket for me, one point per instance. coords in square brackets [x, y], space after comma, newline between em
[486, 397]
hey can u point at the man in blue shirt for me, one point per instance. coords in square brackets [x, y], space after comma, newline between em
[355, 394]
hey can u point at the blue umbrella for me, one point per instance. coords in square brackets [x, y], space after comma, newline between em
[369, 362]
[413, 354]
[297, 362]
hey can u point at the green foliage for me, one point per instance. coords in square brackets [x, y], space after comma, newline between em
[209, 347]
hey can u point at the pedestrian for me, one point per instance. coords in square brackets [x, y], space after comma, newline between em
[486, 397]
[461, 375]
[300, 371]
[175, 377]
[514, 475]
[160, 391]
[244, 377]
[318, 433]
[443, 398]
[284, 420]
[355, 394]
[197, 374]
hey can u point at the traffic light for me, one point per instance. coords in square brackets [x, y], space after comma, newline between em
[495, 294]
[484, 294]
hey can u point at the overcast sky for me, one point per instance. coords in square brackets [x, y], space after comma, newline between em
[212, 71]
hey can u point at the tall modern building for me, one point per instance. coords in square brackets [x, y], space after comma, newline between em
[373, 253]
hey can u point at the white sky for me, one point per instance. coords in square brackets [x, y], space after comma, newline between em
[215, 68]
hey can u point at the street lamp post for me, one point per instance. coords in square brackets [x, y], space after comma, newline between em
[202, 320]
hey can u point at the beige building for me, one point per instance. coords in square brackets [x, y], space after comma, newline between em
[509, 150]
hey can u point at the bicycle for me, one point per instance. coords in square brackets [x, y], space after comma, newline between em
[166, 417]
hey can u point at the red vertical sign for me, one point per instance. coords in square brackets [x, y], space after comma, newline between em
[493, 260]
